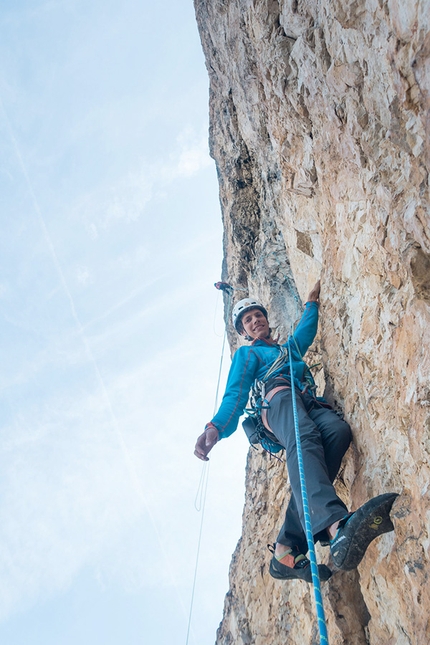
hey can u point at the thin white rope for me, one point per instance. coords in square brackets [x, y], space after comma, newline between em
[200, 499]
[215, 317]
[219, 373]
[204, 487]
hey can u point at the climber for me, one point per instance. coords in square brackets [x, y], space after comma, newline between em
[325, 438]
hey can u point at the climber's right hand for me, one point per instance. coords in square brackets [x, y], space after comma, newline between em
[206, 442]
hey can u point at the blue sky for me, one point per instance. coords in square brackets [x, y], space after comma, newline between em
[111, 329]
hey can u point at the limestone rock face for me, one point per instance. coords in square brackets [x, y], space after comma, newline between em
[319, 126]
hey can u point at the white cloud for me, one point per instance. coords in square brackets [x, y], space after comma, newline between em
[194, 155]
[82, 275]
[125, 200]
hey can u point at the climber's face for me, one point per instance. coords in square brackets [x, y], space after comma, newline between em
[255, 324]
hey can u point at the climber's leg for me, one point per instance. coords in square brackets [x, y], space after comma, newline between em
[324, 505]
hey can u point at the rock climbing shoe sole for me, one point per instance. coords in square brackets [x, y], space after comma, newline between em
[302, 571]
[358, 530]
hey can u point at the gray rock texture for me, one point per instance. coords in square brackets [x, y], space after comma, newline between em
[319, 126]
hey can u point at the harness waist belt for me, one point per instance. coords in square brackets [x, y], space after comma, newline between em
[269, 396]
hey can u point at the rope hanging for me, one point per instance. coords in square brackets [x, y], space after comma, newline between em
[199, 506]
[200, 501]
[322, 627]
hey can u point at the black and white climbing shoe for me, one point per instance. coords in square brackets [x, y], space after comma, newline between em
[300, 571]
[357, 530]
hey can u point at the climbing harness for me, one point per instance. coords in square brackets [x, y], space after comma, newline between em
[255, 430]
[257, 397]
[322, 627]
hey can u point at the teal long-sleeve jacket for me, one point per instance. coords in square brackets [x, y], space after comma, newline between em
[253, 361]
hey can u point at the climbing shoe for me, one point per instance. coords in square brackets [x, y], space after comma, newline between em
[357, 530]
[298, 567]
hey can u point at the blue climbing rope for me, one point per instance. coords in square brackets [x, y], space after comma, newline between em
[322, 627]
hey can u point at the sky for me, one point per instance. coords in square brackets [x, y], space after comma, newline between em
[111, 329]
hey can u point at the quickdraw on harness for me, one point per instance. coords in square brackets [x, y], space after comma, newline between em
[255, 430]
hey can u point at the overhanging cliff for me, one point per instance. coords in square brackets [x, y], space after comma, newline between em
[319, 126]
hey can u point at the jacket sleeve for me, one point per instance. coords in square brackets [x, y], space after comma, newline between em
[242, 373]
[306, 330]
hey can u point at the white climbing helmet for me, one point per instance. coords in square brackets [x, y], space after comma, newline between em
[242, 306]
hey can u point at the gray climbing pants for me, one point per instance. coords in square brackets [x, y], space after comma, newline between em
[325, 438]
